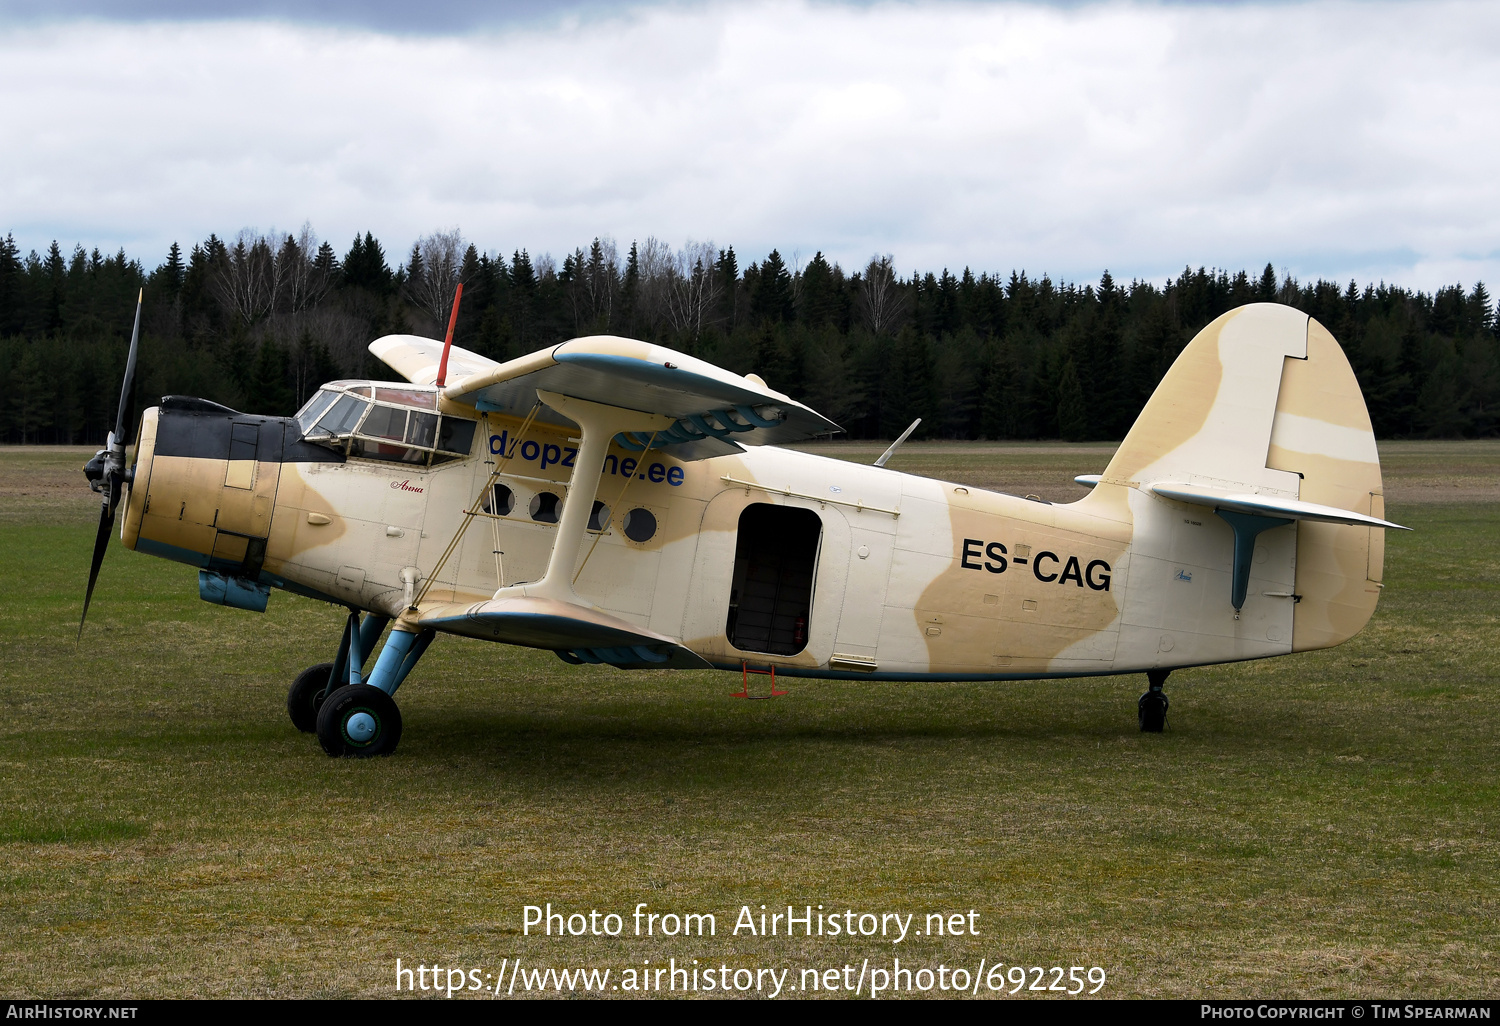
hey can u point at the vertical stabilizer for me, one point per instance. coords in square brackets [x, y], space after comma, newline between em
[1262, 404]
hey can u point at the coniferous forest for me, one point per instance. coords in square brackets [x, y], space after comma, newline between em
[259, 321]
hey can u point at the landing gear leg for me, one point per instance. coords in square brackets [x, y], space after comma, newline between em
[361, 719]
[1151, 710]
[314, 684]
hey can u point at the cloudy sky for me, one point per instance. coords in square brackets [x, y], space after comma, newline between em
[1334, 139]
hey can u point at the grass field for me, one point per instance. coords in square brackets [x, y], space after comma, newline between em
[1318, 825]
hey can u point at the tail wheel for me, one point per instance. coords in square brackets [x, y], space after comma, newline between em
[1152, 712]
[359, 721]
[306, 696]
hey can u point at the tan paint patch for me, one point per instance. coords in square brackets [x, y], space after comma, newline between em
[1013, 615]
[291, 535]
[1313, 388]
[1179, 407]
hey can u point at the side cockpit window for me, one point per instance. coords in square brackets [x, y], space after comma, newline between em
[401, 425]
[340, 420]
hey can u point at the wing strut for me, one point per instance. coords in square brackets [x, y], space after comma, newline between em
[599, 424]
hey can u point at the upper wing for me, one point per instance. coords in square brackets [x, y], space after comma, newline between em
[714, 409]
[416, 358]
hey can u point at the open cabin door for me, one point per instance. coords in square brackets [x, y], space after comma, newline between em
[770, 594]
[768, 581]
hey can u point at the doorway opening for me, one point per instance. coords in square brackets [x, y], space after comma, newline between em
[770, 597]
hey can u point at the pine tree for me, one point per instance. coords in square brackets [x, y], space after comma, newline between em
[57, 273]
[1072, 411]
[365, 266]
[174, 271]
[630, 288]
[772, 299]
[817, 304]
[728, 270]
[12, 316]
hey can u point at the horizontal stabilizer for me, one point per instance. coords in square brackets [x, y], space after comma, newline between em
[416, 358]
[1267, 505]
[1088, 480]
[579, 634]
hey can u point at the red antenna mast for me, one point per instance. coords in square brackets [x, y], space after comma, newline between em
[442, 377]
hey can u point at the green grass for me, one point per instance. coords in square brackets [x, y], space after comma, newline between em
[1317, 825]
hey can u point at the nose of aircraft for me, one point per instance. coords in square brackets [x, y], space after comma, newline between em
[138, 478]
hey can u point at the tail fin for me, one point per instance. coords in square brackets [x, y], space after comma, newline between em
[1263, 403]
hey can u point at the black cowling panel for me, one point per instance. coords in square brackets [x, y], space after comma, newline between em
[210, 431]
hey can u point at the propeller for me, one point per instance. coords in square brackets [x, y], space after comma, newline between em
[106, 471]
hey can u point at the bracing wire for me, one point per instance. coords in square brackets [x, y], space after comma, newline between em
[473, 510]
[619, 499]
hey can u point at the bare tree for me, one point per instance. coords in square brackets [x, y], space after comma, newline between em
[881, 297]
[260, 277]
[302, 282]
[694, 288]
[246, 282]
[601, 279]
[657, 265]
[592, 280]
[437, 269]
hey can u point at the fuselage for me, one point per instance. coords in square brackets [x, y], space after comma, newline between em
[772, 556]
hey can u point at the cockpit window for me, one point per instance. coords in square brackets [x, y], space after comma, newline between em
[309, 414]
[339, 421]
[384, 422]
[421, 429]
[397, 427]
[407, 397]
[457, 436]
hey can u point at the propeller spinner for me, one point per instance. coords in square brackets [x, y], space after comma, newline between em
[106, 471]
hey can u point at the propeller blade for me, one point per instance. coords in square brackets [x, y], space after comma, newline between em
[125, 387]
[101, 545]
[106, 471]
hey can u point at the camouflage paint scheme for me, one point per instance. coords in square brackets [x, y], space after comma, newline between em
[914, 578]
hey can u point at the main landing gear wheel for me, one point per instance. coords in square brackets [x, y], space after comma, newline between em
[306, 696]
[1151, 710]
[359, 721]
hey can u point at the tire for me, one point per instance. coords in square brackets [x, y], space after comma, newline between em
[359, 721]
[1152, 712]
[306, 696]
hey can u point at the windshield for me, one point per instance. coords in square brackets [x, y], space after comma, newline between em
[309, 414]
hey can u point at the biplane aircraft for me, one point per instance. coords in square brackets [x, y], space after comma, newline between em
[619, 502]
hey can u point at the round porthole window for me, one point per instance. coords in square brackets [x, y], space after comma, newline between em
[500, 501]
[599, 517]
[545, 508]
[640, 525]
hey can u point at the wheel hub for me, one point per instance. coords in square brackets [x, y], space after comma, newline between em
[360, 727]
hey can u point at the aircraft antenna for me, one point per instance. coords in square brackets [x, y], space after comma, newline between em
[442, 378]
[897, 443]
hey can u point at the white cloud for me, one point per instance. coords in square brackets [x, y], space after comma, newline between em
[1334, 139]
